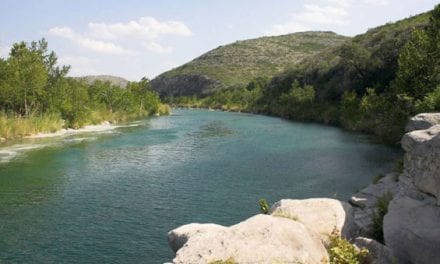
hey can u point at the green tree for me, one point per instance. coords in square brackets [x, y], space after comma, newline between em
[419, 61]
[29, 78]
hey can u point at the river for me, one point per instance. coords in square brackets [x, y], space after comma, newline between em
[112, 196]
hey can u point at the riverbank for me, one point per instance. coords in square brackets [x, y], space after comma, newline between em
[52, 125]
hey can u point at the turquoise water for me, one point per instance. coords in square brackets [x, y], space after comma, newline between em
[111, 197]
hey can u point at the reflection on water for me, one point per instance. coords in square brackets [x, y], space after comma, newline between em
[112, 196]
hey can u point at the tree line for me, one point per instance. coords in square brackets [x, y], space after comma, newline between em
[33, 85]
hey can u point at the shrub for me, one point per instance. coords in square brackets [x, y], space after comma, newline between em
[264, 206]
[398, 166]
[381, 209]
[343, 252]
[377, 178]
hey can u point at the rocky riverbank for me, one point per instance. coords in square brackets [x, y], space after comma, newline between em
[296, 231]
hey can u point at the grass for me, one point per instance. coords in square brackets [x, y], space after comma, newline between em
[264, 206]
[381, 209]
[17, 127]
[13, 127]
[377, 178]
[398, 166]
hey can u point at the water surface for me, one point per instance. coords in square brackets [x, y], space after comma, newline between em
[111, 197]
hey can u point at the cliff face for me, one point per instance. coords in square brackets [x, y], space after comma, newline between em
[411, 227]
[297, 230]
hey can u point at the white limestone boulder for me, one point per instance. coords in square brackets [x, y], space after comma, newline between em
[259, 239]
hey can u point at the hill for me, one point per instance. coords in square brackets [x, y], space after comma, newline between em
[114, 80]
[368, 60]
[238, 63]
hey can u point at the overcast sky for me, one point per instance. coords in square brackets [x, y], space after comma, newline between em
[136, 38]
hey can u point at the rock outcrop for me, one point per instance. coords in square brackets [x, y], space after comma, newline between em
[259, 239]
[411, 226]
[412, 230]
[422, 159]
[294, 232]
[423, 121]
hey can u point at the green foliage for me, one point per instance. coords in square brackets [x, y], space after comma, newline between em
[381, 209]
[377, 178]
[398, 166]
[431, 102]
[297, 102]
[419, 70]
[34, 90]
[343, 252]
[264, 206]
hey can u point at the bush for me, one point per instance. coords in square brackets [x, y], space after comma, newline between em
[264, 206]
[377, 178]
[343, 252]
[380, 211]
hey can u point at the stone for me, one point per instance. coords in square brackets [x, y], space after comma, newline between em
[423, 121]
[322, 215]
[422, 159]
[378, 253]
[259, 239]
[412, 230]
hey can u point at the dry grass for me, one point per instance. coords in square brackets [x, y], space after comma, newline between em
[16, 127]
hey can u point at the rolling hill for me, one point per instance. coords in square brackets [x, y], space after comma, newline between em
[238, 63]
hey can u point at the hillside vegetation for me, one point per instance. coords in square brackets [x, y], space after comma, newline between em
[113, 80]
[236, 64]
[372, 82]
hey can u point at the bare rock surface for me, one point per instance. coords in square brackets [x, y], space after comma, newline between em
[322, 215]
[412, 230]
[423, 121]
[259, 239]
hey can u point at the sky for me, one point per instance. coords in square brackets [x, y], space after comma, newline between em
[143, 38]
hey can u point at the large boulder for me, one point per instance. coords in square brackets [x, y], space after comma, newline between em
[422, 159]
[423, 121]
[322, 215]
[412, 230]
[259, 239]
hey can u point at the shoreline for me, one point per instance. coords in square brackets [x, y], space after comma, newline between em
[104, 126]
